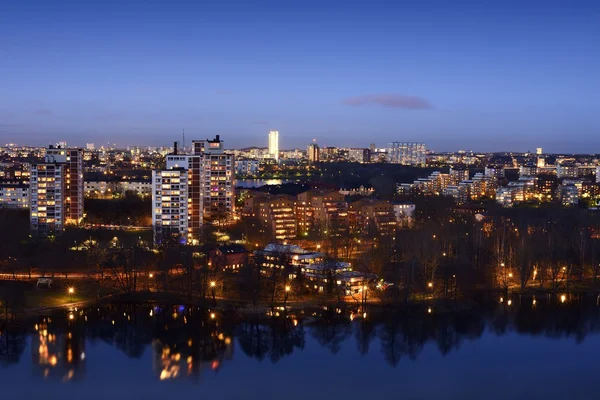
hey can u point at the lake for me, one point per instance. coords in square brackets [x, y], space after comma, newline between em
[546, 351]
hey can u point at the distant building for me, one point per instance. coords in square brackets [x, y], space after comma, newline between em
[313, 152]
[529, 169]
[329, 153]
[247, 167]
[598, 174]
[405, 213]
[539, 151]
[90, 146]
[359, 155]
[569, 195]
[494, 171]
[407, 153]
[274, 144]
[566, 170]
[458, 174]
[14, 195]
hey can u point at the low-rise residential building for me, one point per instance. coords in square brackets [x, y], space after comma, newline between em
[229, 258]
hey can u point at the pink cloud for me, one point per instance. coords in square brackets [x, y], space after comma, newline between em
[389, 100]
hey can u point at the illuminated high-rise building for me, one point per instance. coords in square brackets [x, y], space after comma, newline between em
[539, 151]
[192, 190]
[216, 178]
[313, 153]
[274, 144]
[56, 192]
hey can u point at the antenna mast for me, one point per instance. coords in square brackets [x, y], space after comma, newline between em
[183, 139]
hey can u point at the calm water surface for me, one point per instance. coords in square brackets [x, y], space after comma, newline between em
[550, 351]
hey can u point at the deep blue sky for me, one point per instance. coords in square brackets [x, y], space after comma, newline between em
[482, 75]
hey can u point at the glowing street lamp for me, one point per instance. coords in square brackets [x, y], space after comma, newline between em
[71, 292]
[430, 285]
[213, 285]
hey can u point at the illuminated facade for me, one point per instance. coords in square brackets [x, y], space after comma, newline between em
[368, 215]
[56, 192]
[359, 155]
[192, 190]
[407, 153]
[277, 213]
[14, 195]
[216, 178]
[313, 153]
[320, 208]
[274, 144]
[170, 203]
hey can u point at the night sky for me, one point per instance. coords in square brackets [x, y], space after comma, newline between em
[482, 75]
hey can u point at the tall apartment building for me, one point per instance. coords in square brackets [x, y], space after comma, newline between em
[274, 144]
[407, 153]
[598, 174]
[170, 213]
[313, 153]
[198, 187]
[217, 178]
[56, 191]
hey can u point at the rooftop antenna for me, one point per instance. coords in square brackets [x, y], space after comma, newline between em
[183, 139]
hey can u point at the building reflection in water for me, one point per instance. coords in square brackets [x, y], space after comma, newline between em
[188, 342]
[58, 348]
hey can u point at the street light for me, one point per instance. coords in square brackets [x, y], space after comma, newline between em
[430, 284]
[71, 292]
[213, 285]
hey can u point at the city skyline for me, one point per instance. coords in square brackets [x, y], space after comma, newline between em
[516, 75]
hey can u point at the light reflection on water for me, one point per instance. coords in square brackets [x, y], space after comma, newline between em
[254, 358]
